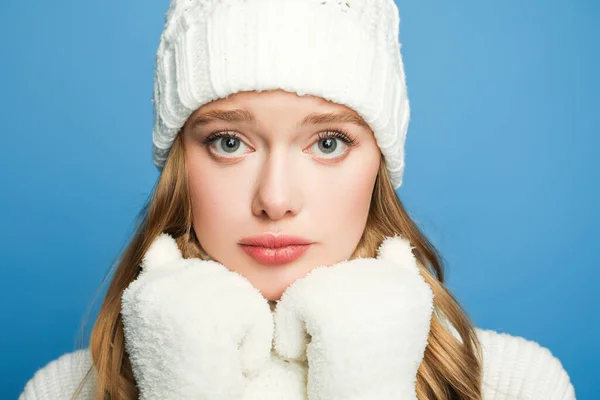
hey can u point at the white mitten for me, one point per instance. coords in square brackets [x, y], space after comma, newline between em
[193, 328]
[367, 322]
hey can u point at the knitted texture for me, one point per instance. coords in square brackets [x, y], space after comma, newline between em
[345, 51]
[513, 369]
[60, 378]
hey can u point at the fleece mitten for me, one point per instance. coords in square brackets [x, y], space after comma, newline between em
[193, 328]
[361, 324]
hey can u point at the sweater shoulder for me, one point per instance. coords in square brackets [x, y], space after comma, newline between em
[520, 369]
[60, 378]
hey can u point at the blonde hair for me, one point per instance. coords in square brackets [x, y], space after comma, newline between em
[451, 368]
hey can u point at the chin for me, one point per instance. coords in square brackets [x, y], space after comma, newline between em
[272, 282]
[272, 294]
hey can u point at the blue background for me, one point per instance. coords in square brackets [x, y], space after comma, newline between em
[502, 166]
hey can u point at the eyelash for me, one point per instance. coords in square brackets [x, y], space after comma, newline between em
[341, 134]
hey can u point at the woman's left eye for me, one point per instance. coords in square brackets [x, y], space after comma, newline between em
[333, 144]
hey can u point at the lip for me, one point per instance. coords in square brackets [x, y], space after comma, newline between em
[270, 249]
[273, 241]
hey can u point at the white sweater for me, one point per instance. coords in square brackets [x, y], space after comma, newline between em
[513, 368]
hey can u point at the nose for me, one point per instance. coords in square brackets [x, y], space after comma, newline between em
[278, 192]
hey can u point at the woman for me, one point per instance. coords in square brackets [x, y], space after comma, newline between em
[274, 259]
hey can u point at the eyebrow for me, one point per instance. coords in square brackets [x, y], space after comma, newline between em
[244, 116]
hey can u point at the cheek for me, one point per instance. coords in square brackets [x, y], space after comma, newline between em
[342, 207]
[344, 201]
[218, 200]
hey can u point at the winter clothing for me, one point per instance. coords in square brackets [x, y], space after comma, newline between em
[345, 51]
[356, 330]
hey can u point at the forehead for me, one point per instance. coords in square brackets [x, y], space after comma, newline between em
[249, 107]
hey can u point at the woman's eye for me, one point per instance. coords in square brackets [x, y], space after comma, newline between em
[331, 147]
[226, 145]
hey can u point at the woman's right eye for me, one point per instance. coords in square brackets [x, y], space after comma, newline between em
[225, 145]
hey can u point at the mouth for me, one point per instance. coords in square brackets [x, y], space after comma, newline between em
[275, 256]
[270, 249]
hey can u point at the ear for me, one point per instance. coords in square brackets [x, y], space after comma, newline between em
[162, 252]
[398, 250]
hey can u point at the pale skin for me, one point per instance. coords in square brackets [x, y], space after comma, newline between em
[279, 176]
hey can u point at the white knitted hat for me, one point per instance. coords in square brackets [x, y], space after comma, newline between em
[345, 51]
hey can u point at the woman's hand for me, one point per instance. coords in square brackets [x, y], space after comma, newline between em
[367, 322]
[193, 328]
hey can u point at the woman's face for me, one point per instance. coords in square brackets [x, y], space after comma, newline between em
[282, 169]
